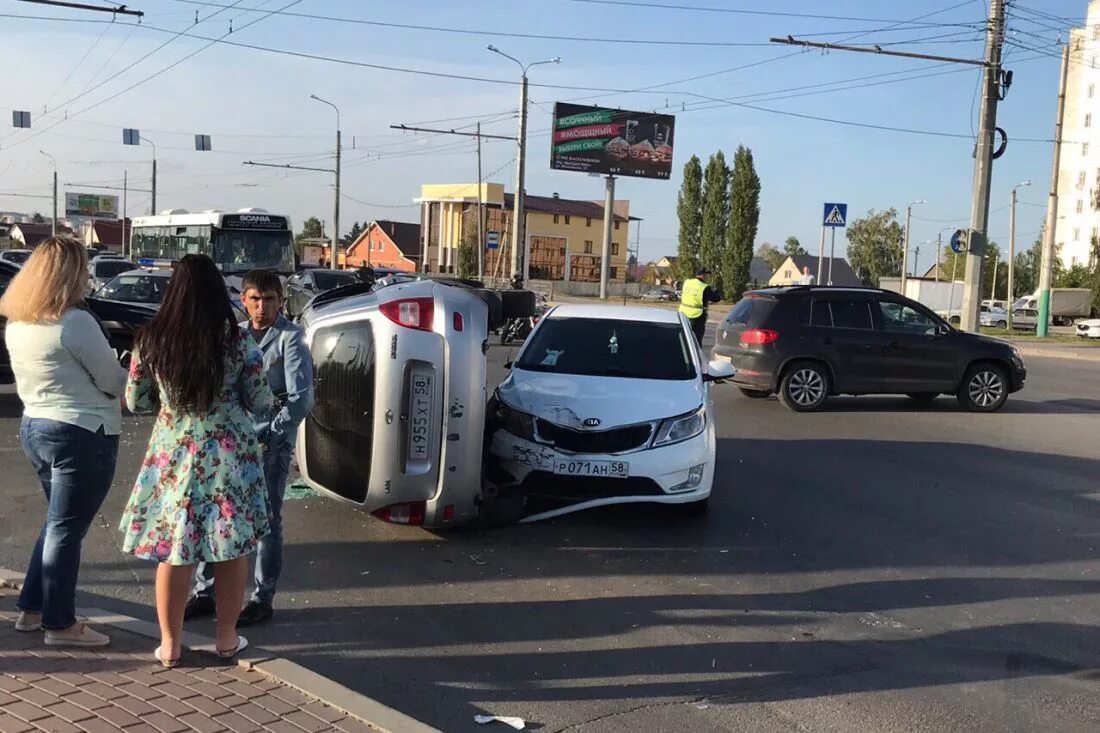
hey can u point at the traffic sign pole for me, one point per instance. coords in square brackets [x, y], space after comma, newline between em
[821, 257]
[832, 253]
[834, 216]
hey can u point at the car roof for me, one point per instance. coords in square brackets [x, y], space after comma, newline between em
[615, 312]
[819, 289]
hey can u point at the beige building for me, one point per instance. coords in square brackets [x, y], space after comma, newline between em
[1079, 171]
[564, 237]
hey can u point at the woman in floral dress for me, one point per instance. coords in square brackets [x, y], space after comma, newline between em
[200, 494]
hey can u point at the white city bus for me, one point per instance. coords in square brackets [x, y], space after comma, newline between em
[239, 241]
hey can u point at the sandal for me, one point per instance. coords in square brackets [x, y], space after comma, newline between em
[242, 644]
[166, 663]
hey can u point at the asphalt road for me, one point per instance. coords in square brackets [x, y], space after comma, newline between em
[873, 567]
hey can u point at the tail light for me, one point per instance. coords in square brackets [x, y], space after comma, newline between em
[410, 312]
[457, 321]
[411, 514]
[759, 336]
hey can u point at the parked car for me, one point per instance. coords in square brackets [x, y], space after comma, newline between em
[15, 256]
[994, 318]
[1025, 318]
[660, 294]
[122, 321]
[147, 287]
[607, 405]
[805, 344]
[102, 268]
[303, 285]
[1089, 328]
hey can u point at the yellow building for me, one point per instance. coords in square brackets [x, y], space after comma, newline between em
[564, 237]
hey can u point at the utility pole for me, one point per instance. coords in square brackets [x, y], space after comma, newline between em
[53, 224]
[519, 226]
[153, 187]
[983, 166]
[1010, 296]
[127, 247]
[905, 246]
[1046, 269]
[608, 219]
[480, 214]
[334, 259]
[993, 286]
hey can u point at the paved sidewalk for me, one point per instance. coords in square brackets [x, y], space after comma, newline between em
[122, 687]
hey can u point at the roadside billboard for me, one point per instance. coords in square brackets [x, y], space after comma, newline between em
[611, 141]
[91, 206]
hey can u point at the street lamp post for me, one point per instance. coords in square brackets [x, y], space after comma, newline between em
[153, 188]
[939, 250]
[905, 247]
[53, 224]
[334, 259]
[519, 234]
[1011, 295]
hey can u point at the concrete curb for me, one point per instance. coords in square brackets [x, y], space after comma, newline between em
[1055, 352]
[367, 710]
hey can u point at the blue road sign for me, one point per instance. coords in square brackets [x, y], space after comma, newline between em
[492, 239]
[836, 215]
[958, 241]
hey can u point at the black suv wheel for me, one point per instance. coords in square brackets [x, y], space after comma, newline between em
[804, 387]
[984, 388]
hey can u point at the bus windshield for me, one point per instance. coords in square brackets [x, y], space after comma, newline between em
[240, 250]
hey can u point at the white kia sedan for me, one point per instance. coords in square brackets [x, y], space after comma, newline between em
[606, 405]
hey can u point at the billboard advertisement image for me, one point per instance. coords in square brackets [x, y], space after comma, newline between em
[91, 206]
[611, 141]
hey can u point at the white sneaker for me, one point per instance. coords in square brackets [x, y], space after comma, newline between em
[28, 621]
[79, 634]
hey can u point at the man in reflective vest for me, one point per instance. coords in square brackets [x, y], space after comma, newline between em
[694, 298]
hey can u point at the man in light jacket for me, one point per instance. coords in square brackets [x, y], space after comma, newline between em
[290, 374]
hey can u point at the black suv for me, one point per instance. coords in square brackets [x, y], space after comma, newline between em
[805, 343]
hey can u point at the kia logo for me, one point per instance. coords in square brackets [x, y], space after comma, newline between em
[592, 422]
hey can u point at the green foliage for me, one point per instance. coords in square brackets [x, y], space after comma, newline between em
[771, 255]
[792, 248]
[37, 218]
[311, 229]
[744, 219]
[689, 210]
[354, 233]
[874, 246]
[467, 257]
[716, 213]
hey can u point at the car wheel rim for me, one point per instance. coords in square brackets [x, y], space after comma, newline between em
[986, 387]
[807, 387]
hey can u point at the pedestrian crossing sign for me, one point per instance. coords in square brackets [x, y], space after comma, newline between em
[835, 215]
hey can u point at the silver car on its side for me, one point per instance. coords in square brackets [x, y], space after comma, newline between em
[397, 424]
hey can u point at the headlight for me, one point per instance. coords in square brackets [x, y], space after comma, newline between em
[519, 424]
[1017, 356]
[677, 429]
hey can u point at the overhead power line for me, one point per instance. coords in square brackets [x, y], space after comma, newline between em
[117, 10]
[765, 13]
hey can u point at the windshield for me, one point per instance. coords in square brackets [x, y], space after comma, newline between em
[241, 250]
[17, 257]
[330, 280]
[609, 348]
[134, 288]
[110, 268]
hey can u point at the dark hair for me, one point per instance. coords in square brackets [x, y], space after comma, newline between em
[185, 344]
[702, 271]
[264, 281]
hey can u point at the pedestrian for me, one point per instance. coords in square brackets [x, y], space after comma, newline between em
[200, 495]
[69, 380]
[289, 372]
[694, 299]
[807, 278]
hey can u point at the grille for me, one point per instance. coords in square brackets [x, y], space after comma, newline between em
[616, 440]
[551, 487]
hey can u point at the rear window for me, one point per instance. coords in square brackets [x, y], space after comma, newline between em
[111, 268]
[751, 310]
[609, 348]
[330, 280]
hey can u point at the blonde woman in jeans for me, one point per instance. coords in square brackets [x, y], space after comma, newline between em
[69, 381]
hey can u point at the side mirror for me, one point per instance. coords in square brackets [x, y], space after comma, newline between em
[718, 369]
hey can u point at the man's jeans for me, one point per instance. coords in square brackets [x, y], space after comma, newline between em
[269, 556]
[75, 467]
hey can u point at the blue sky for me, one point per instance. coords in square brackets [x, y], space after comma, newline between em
[256, 104]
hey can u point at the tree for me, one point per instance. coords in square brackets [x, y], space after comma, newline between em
[716, 213]
[743, 222]
[467, 257]
[37, 218]
[874, 246]
[689, 209]
[792, 248]
[353, 234]
[771, 255]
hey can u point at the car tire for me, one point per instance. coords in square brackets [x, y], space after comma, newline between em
[1002, 324]
[984, 388]
[755, 394]
[804, 387]
[923, 398]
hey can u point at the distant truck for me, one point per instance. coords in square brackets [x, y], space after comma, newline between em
[1066, 304]
[944, 298]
